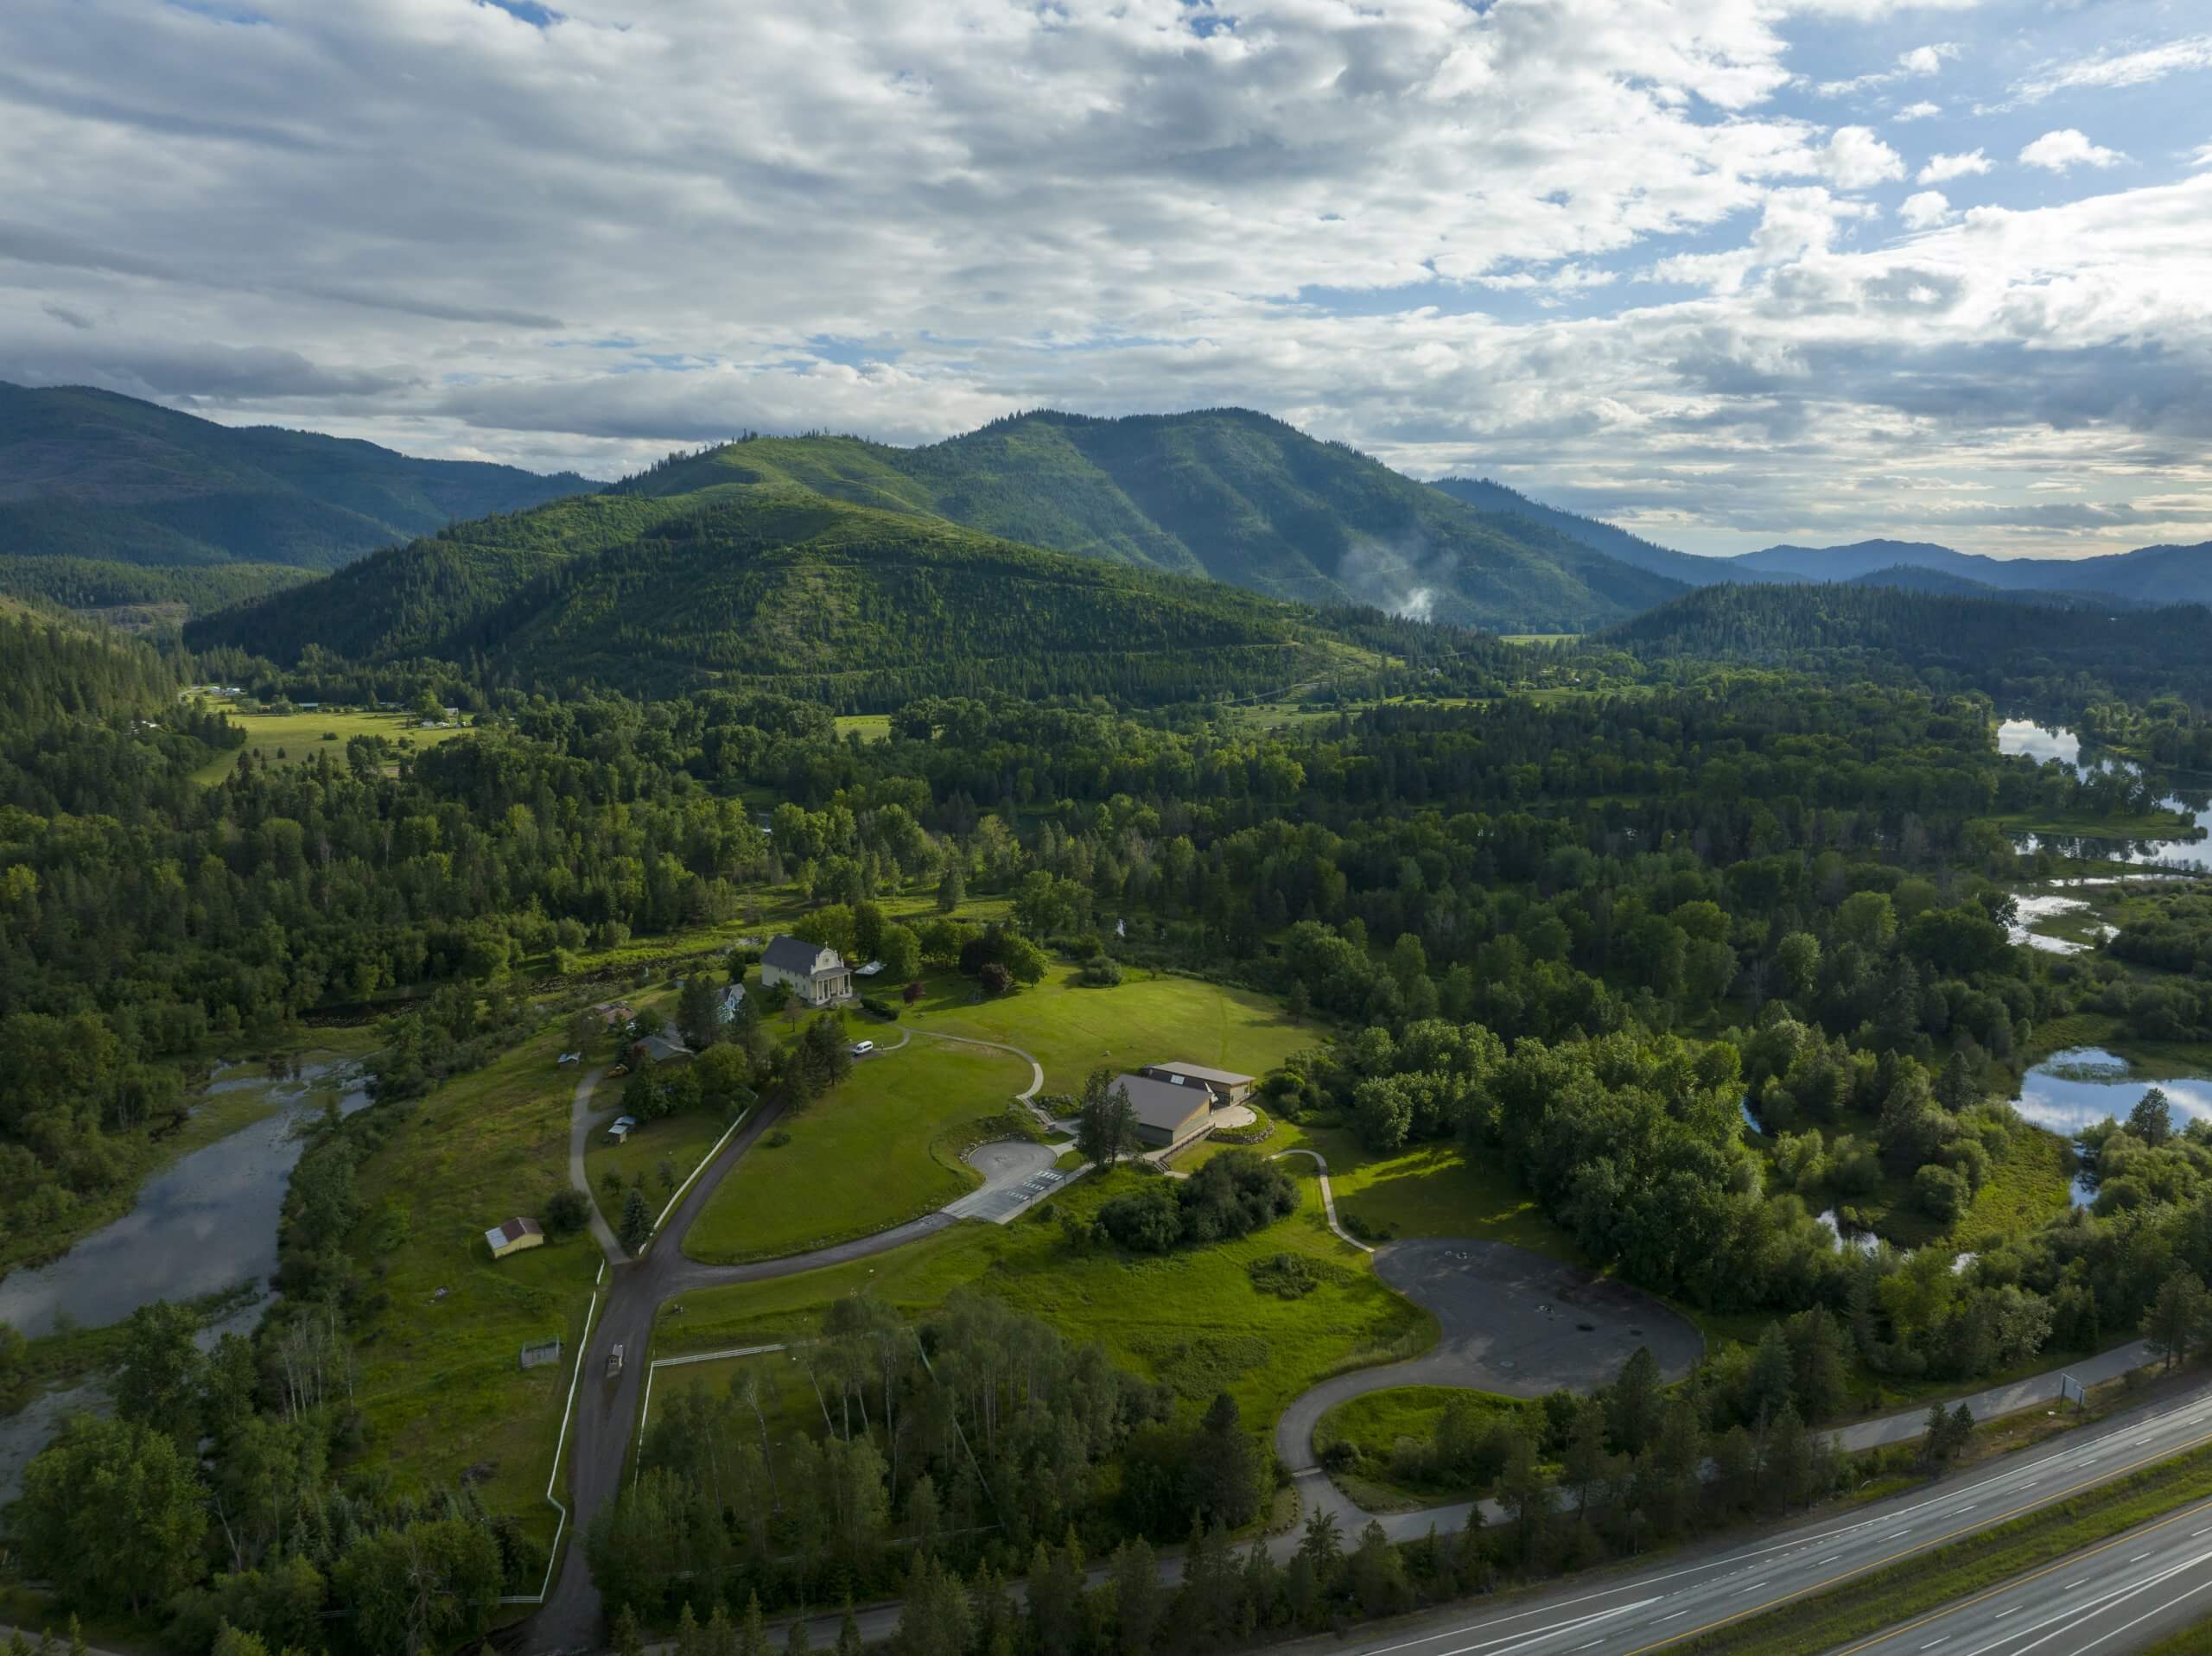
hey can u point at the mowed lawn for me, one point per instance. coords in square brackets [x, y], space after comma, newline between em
[295, 738]
[880, 1149]
[1146, 1018]
[439, 1379]
[1194, 1319]
[1431, 1189]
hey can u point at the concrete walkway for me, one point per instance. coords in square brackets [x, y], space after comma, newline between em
[580, 1127]
[1328, 1197]
[2003, 1399]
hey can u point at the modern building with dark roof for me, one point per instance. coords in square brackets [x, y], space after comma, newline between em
[1167, 1115]
[816, 974]
[1226, 1085]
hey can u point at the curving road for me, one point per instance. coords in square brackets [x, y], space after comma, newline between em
[569, 1620]
[1510, 1322]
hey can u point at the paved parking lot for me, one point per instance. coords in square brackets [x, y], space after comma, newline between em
[1015, 1176]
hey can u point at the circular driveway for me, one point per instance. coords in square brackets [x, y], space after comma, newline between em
[1508, 1321]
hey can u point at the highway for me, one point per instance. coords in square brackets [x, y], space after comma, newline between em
[1631, 1612]
[2117, 1595]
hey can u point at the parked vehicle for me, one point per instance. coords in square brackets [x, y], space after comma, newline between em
[861, 1049]
[618, 1072]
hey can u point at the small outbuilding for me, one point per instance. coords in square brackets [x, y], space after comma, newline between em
[1167, 1115]
[514, 1236]
[661, 1049]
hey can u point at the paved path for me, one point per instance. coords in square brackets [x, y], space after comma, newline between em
[2003, 1400]
[580, 1123]
[1328, 1197]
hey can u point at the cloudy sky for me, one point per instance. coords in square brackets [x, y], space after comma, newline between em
[1729, 271]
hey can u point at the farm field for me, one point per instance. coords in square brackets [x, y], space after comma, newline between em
[439, 1379]
[295, 738]
[1226, 1333]
[882, 1148]
[1146, 1019]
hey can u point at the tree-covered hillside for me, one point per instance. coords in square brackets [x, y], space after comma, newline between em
[773, 581]
[2000, 642]
[1495, 499]
[91, 475]
[1223, 492]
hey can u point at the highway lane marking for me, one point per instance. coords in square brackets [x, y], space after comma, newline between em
[2072, 1615]
[2139, 1558]
[2071, 1585]
[1670, 1618]
[2145, 1616]
[1932, 1643]
[2170, 1453]
[1572, 1624]
[2195, 1509]
[1831, 1536]
[2001, 1615]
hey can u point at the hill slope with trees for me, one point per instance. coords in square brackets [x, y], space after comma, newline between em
[773, 582]
[115, 486]
[1224, 493]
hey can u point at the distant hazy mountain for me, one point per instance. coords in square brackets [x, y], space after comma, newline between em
[1224, 493]
[1495, 499]
[127, 490]
[2151, 574]
[1912, 578]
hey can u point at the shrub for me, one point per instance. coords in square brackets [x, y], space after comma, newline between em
[1147, 1220]
[1101, 972]
[995, 978]
[1286, 1276]
[876, 1008]
[567, 1211]
[776, 1140]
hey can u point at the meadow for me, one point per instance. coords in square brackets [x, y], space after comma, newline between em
[880, 1148]
[1149, 1018]
[1225, 1331]
[439, 1381]
[295, 738]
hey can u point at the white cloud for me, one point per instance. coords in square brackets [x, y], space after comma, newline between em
[1856, 160]
[2202, 157]
[644, 226]
[1925, 210]
[2112, 69]
[1920, 60]
[2068, 148]
[1920, 111]
[1940, 170]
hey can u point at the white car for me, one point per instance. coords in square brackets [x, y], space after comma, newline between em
[861, 1049]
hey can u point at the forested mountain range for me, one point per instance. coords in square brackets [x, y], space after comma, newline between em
[2024, 651]
[771, 581]
[102, 496]
[2149, 575]
[1224, 493]
[1495, 499]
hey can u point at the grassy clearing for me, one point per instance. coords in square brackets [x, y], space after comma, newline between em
[295, 738]
[439, 1382]
[869, 726]
[2027, 1189]
[1147, 1018]
[884, 1147]
[658, 1157]
[1374, 1424]
[1943, 1577]
[1434, 1189]
[1218, 1332]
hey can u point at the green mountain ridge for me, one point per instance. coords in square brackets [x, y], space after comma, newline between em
[772, 583]
[1226, 492]
[114, 484]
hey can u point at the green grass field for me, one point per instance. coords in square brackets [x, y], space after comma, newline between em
[882, 1148]
[295, 738]
[658, 1157]
[869, 726]
[1148, 1019]
[1433, 1189]
[1192, 1320]
[439, 1381]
